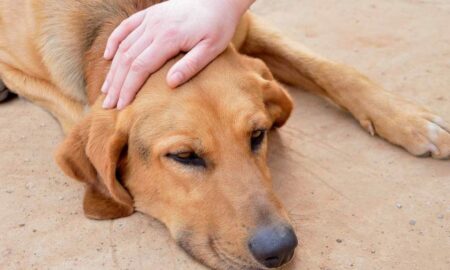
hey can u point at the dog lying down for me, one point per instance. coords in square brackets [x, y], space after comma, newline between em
[194, 157]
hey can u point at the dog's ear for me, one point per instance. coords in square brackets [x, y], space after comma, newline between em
[278, 103]
[276, 99]
[91, 154]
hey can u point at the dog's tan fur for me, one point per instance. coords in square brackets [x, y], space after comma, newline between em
[51, 53]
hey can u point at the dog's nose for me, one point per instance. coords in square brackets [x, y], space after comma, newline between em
[273, 245]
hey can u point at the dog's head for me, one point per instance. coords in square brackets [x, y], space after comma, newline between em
[194, 158]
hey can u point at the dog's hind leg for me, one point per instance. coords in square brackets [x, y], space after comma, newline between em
[66, 110]
[378, 111]
[3, 91]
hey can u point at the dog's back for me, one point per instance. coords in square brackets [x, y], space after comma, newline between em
[56, 36]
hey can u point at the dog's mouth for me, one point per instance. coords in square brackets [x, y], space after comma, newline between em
[213, 253]
[231, 261]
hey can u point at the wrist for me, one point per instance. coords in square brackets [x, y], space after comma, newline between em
[235, 9]
[239, 6]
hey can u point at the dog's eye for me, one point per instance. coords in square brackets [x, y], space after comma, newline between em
[188, 158]
[257, 139]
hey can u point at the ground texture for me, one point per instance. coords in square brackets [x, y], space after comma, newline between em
[357, 201]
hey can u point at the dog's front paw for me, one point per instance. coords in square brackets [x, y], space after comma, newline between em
[419, 131]
[427, 135]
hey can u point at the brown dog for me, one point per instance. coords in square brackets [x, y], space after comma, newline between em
[194, 158]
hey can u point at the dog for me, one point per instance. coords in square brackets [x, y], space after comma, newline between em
[193, 158]
[3, 92]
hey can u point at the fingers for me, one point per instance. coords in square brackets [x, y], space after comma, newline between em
[137, 49]
[192, 63]
[147, 63]
[131, 68]
[121, 32]
[121, 65]
[118, 58]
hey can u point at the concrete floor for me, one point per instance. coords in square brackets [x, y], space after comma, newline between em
[357, 201]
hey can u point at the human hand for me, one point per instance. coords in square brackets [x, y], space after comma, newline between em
[143, 43]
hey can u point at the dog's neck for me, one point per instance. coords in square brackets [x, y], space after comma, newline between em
[96, 68]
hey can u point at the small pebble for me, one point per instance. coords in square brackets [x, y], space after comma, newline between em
[339, 240]
[440, 216]
[373, 251]
[61, 198]
[398, 205]
[412, 222]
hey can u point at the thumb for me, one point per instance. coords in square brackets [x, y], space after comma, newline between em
[192, 63]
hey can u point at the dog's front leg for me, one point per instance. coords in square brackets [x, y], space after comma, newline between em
[379, 112]
[66, 110]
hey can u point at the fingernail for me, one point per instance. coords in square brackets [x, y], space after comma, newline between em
[106, 54]
[105, 86]
[176, 78]
[106, 103]
[121, 104]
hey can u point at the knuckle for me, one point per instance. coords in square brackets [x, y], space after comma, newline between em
[123, 47]
[127, 58]
[213, 50]
[191, 65]
[170, 34]
[139, 66]
[126, 25]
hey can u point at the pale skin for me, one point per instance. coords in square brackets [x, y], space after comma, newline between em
[144, 42]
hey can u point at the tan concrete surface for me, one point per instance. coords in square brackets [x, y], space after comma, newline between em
[353, 198]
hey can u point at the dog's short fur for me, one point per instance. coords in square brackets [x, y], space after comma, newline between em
[51, 53]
